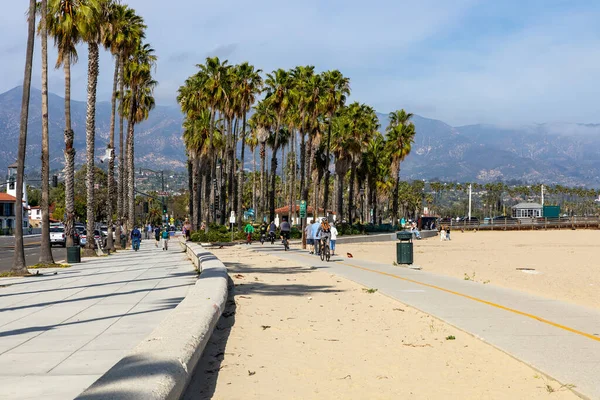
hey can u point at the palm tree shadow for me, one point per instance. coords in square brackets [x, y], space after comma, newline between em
[204, 378]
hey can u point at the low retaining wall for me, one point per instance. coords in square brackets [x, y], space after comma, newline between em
[159, 368]
[380, 237]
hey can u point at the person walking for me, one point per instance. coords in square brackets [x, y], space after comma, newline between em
[165, 238]
[156, 236]
[309, 236]
[316, 234]
[333, 238]
[448, 232]
[187, 230]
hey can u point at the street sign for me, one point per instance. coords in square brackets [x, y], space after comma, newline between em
[303, 209]
[232, 218]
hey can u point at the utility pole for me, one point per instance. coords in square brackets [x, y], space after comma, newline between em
[542, 195]
[470, 187]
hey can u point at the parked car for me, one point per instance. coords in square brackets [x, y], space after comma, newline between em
[57, 236]
[83, 238]
[469, 220]
[504, 218]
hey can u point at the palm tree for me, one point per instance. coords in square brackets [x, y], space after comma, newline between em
[19, 267]
[249, 83]
[91, 31]
[278, 84]
[213, 91]
[252, 143]
[138, 100]
[261, 122]
[336, 89]
[400, 138]
[45, 248]
[124, 31]
[64, 22]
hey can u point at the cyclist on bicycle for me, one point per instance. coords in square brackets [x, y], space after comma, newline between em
[263, 230]
[249, 230]
[272, 230]
[285, 229]
[325, 232]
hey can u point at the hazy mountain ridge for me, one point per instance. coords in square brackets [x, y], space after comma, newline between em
[562, 153]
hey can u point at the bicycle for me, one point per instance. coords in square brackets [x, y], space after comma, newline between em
[285, 242]
[325, 252]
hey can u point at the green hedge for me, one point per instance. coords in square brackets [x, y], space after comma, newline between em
[220, 233]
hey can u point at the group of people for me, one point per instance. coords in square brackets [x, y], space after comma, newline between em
[445, 233]
[160, 234]
[284, 230]
[320, 233]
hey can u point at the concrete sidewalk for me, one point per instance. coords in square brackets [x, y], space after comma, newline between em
[59, 333]
[557, 338]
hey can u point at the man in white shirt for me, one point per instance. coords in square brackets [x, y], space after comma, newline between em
[332, 239]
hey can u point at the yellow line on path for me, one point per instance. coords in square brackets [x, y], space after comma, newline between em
[489, 303]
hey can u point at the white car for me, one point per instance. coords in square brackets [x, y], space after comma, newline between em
[57, 236]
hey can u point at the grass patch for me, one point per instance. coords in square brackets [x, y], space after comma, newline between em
[10, 274]
[451, 337]
[370, 291]
[55, 265]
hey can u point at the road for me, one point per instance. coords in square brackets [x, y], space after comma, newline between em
[32, 251]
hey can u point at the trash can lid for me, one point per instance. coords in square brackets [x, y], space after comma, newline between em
[404, 235]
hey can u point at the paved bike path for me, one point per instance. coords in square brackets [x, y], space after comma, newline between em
[559, 339]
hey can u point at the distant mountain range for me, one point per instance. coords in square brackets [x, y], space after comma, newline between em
[563, 153]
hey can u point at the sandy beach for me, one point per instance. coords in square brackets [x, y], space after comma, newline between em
[557, 264]
[294, 332]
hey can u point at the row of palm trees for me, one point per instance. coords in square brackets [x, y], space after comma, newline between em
[298, 110]
[118, 29]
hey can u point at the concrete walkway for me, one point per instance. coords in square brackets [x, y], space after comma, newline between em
[557, 338]
[59, 333]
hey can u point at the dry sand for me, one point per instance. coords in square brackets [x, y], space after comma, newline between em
[292, 332]
[566, 262]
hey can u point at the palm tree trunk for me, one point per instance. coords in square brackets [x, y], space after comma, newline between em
[231, 181]
[327, 173]
[69, 158]
[121, 182]
[351, 194]
[273, 175]
[302, 181]
[254, 182]
[395, 199]
[213, 187]
[207, 187]
[45, 249]
[292, 166]
[111, 161]
[131, 163]
[194, 193]
[340, 196]
[90, 127]
[263, 156]
[19, 266]
[240, 184]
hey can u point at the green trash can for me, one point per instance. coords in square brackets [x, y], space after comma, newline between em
[404, 248]
[73, 255]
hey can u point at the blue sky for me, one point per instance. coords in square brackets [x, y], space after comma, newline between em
[461, 61]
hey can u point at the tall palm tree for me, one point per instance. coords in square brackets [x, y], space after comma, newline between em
[19, 267]
[261, 123]
[336, 89]
[91, 32]
[278, 84]
[252, 143]
[124, 30]
[45, 248]
[65, 20]
[138, 100]
[127, 33]
[249, 83]
[214, 92]
[400, 136]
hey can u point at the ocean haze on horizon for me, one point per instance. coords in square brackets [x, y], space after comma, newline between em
[462, 62]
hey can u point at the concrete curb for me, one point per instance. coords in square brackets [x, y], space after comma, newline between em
[161, 365]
